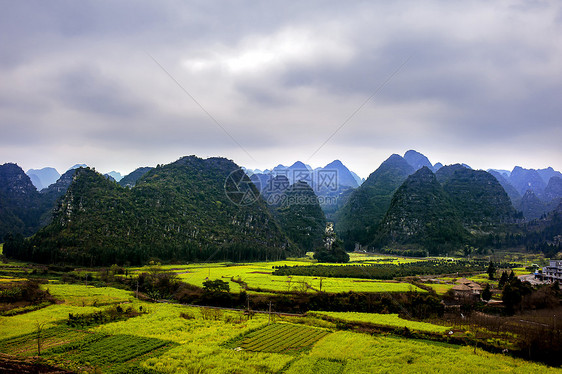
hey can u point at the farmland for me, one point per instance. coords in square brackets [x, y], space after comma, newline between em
[258, 277]
[282, 338]
[174, 338]
[382, 320]
[360, 353]
[164, 341]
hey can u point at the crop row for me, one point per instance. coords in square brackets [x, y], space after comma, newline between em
[117, 349]
[269, 337]
[388, 271]
[269, 330]
[297, 342]
[52, 337]
[286, 338]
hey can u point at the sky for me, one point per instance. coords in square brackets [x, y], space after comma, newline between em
[122, 84]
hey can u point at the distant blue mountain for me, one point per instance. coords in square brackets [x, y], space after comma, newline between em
[43, 178]
[115, 175]
[417, 160]
[78, 166]
[503, 173]
[527, 179]
[548, 173]
[344, 176]
[511, 191]
[329, 183]
[357, 178]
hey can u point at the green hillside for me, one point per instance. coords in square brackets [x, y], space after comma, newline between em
[178, 211]
[477, 195]
[301, 217]
[422, 214]
[358, 219]
[21, 205]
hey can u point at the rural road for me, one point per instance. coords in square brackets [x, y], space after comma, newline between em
[531, 279]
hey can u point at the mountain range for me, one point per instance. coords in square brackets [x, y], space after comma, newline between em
[331, 183]
[42, 178]
[393, 207]
[181, 211]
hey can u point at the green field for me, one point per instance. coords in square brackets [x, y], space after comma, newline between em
[282, 338]
[383, 320]
[164, 341]
[360, 353]
[82, 295]
[440, 288]
[227, 341]
[258, 277]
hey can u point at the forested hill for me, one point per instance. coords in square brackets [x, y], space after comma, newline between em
[479, 198]
[446, 210]
[422, 214]
[300, 216]
[20, 203]
[178, 211]
[358, 219]
[131, 179]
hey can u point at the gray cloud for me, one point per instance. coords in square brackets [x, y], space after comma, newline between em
[482, 84]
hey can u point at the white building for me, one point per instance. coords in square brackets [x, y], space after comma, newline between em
[553, 272]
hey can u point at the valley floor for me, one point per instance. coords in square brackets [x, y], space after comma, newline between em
[162, 341]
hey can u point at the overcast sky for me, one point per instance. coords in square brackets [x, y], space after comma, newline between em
[123, 84]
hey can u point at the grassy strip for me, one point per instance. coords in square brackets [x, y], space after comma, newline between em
[383, 320]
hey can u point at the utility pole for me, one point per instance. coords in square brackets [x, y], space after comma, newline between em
[269, 320]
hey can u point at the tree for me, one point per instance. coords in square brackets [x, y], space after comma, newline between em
[511, 297]
[513, 293]
[487, 294]
[491, 270]
[511, 276]
[503, 280]
[216, 286]
[39, 330]
[335, 254]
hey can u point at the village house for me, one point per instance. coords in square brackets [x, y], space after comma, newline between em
[553, 272]
[467, 288]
